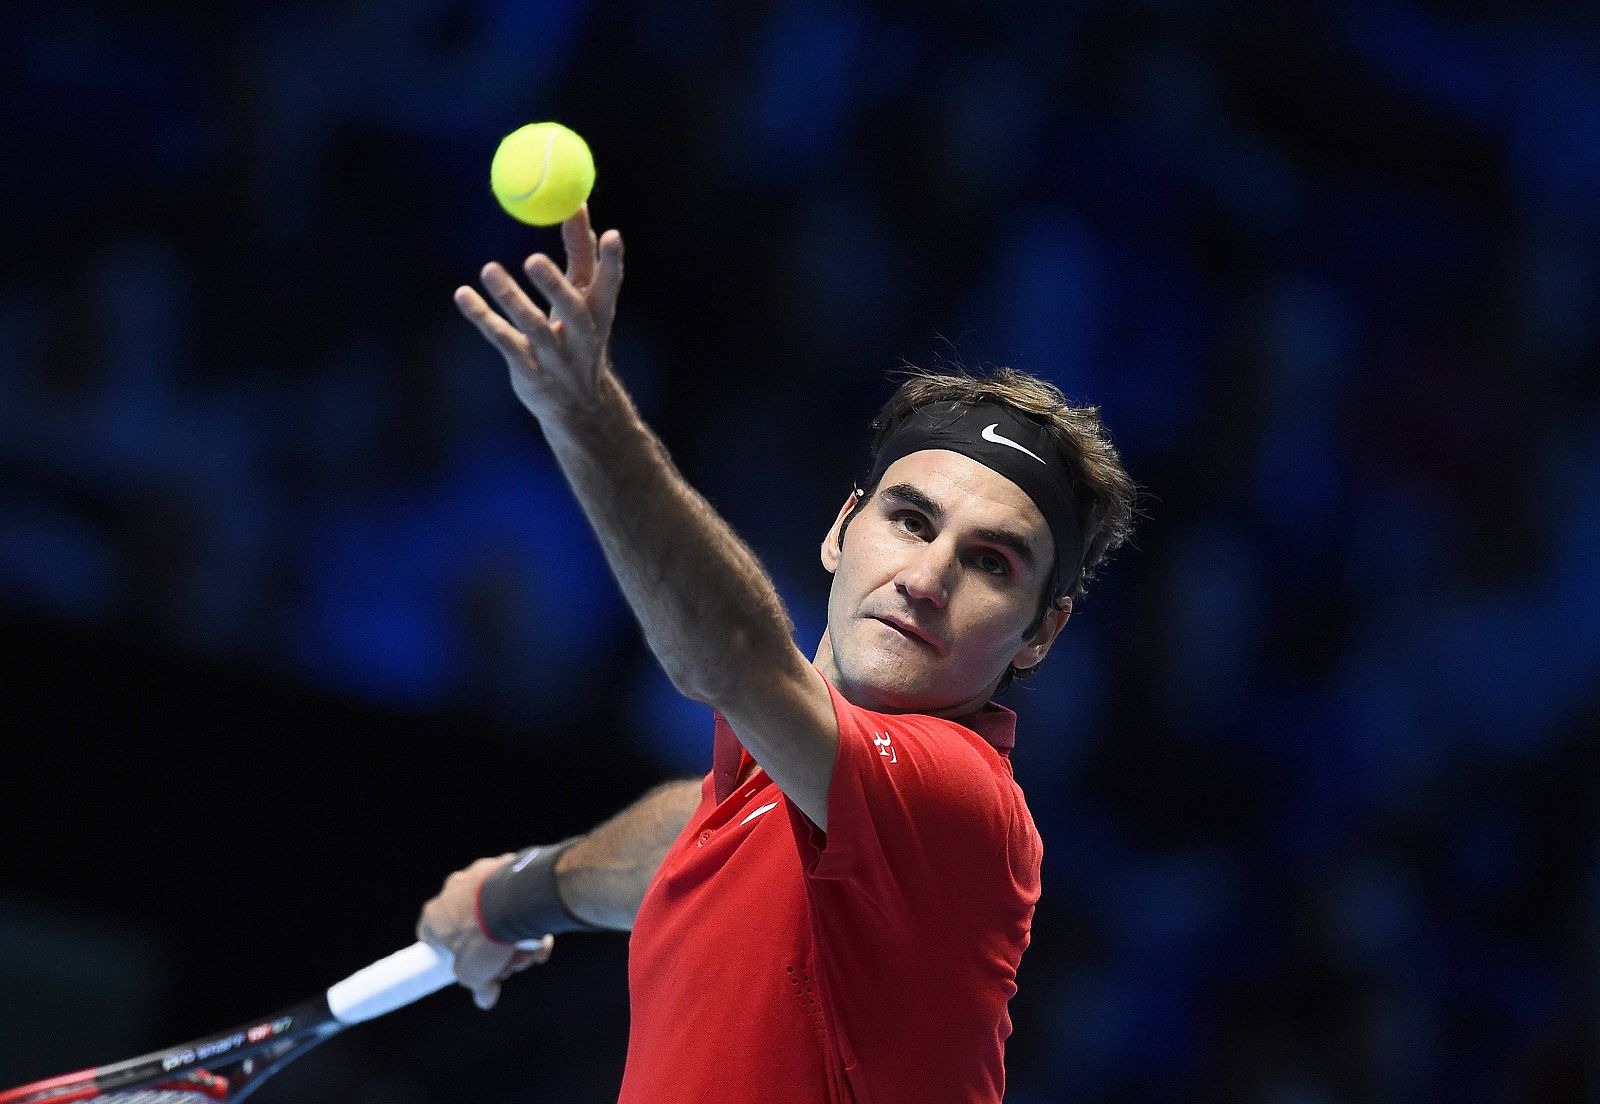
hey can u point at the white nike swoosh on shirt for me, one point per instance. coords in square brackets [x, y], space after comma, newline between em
[533, 853]
[774, 805]
[989, 434]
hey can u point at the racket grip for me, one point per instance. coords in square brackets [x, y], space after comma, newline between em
[393, 982]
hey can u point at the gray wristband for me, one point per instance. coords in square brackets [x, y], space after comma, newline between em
[521, 901]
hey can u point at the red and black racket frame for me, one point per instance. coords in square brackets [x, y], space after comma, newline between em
[264, 1043]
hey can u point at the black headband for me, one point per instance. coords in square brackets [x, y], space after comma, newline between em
[1010, 443]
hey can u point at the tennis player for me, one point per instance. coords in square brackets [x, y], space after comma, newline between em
[837, 910]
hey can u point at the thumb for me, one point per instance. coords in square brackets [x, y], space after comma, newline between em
[532, 955]
[485, 996]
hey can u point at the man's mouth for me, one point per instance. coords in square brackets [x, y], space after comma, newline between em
[910, 632]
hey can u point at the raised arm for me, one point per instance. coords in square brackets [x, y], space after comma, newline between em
[708, 610]
[599, 880]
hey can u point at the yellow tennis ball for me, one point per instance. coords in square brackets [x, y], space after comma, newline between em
[542, 173]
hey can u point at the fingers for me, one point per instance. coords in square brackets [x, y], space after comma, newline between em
[566, 303]
[450, 919]
[566, 340]
[531, 956]
[513, 300]
[578, 237]
[500, 333]
[532, 331]
[607, 282]
[485, 994]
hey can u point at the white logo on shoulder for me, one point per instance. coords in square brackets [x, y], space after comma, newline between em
[885, 748]
[533, 853]
[764, 809]
[989, 434]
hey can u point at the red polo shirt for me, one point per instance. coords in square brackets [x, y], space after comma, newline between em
[773, 963]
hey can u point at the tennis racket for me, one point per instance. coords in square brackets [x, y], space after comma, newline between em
[232, 1064]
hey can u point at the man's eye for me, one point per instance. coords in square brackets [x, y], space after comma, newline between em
[993, 564]
[911, 523]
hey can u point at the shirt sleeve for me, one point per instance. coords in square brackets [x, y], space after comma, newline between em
[917, 806]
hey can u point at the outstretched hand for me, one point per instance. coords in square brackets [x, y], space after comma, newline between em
[557, 358]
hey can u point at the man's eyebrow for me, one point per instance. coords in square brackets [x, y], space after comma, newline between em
[1008, 539]
[911, 496]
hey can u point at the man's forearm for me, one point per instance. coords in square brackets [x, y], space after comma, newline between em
[602, 877]
[707, 607]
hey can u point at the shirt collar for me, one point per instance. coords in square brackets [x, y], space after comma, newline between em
[996, 724]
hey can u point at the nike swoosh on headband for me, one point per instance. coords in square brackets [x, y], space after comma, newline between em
[989, 434]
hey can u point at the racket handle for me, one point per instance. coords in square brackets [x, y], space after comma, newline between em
[393, 982]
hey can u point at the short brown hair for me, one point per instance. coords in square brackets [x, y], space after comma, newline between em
[1107, 497]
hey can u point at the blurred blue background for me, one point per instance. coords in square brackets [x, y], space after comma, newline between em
[297, 616]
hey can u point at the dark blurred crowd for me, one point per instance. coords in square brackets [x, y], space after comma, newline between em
[1315, 764]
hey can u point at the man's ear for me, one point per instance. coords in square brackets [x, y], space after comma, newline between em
[833, 543]
[1032, 653]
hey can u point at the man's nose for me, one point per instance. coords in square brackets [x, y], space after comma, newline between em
[926, 575]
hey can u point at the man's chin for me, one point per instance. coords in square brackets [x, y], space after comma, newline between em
[888, 691]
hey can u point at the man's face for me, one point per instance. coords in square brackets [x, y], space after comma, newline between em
[937, 579]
